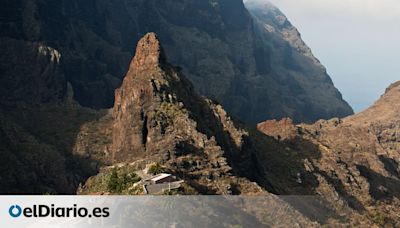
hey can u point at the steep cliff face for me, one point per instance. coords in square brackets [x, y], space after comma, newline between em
[38, 118]
[220, 46]
[300, 82]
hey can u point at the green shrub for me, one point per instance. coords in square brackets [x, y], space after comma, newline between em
[118, 183]
[113, 181]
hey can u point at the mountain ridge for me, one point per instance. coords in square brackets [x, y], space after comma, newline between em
[211, 40]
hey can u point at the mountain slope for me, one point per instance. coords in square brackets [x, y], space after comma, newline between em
[254, 76]
[383, 120]
[304, 87]
[38, 122]
[384, 110]
[357, 157]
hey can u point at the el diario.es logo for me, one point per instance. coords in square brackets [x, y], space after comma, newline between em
[42, 211]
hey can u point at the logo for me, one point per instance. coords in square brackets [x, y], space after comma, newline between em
[41, 211]
[15, 211]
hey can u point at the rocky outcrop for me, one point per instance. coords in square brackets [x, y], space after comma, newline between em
[31, 74]
[354, 162]
[383, 120]
[278, 129]
[222, 49]
[133, 131]
[158, 117]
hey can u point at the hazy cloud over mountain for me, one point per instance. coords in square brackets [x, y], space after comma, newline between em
[379, 9]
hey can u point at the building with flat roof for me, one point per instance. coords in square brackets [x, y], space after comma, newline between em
[160, 183]
[161, 178]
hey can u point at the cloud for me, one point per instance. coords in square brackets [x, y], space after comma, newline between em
[371, 9]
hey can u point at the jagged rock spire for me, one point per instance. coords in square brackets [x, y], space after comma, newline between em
[135, 98]
[149, 53]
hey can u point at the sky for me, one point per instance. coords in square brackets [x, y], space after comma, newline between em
[358, 41]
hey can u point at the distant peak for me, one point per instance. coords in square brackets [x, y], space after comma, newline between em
[149, 53]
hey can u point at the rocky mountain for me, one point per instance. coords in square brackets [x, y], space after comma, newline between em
[159, 119]
[258, 65]
[353, 162]
[304, 87]
[253, 62]
[57, 56]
